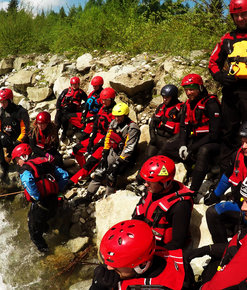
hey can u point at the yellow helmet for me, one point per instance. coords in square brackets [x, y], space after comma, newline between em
[120, 109]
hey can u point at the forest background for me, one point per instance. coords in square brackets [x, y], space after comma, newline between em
[131, 26]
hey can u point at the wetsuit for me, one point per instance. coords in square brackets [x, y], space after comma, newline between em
[234, 94]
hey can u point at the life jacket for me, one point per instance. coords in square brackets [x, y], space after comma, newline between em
[155, 211]
[197, 118]
[93, 102]
[71, 98]
[240, 170]
[104, 119]
[44, 176]
[116, 139]
[171, 277]
[166, 119]
[43, 141]
[238, 60]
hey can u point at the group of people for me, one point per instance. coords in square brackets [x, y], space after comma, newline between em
[153, 249]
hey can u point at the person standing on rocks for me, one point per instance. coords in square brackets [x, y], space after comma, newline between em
[14, 127]
[223, 215]
[44, 139]
[42, 181]
[70, 101]
[88, 152]
[167, 205]
[119, 150]
[131, 260]
[233, 77]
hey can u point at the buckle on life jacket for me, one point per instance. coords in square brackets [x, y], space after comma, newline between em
[50, 177]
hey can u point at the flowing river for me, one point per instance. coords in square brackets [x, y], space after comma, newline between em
[22, 266]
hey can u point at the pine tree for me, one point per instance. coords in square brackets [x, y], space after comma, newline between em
[13, 6]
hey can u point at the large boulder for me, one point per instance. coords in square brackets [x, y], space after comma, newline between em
[51, 73]
[60, 84]
[38, 94]
[21, 80]
[6, 65]
[20, 62]
[83, 63]
[113, 209]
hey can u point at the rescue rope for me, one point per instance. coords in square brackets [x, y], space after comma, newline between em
[11, 193]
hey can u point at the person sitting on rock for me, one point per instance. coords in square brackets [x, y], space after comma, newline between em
[167, 204]
[131, 260]
[227, 268]
[227, 212]
[42, 181]
[93, 146]
[70, 101]
[44, 139]
[164, 124]
[198, 141]
[14, 127]
[92, 107]
[119, 150]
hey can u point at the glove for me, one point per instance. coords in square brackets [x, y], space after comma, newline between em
[105, 154]
[183, 152]
[104, 279]
[210, 198]
[225, 79]
[196, 253]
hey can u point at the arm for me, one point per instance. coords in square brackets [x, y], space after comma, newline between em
[29, 184]
[131, 141]
[62, 177]
[179, 217]
[24, 125]
[214, 113]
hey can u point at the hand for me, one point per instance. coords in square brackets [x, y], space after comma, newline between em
[225, 79]
[210, 198]
[196, 253]
[183, 152]
[104, 279]
[105, 154]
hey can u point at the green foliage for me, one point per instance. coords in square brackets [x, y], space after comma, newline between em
[117, 25]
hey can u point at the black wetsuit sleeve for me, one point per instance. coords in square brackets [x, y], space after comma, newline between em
[179, 217]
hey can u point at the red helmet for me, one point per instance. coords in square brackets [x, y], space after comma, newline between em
[127, 244]
[158, 169]
[6, 94]
[43, 118]
[107, 93]
[191, 79]
[21, 149]
[97, 81]
[74, 80]
[238, 6]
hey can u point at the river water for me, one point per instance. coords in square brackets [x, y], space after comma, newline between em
[22, 266]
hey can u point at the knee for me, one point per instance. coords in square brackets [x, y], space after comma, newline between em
[211, 214]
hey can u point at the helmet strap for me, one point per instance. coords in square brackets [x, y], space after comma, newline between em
[167, 185]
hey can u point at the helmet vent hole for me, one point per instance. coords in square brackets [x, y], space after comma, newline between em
[131, 226]
[111, 237]
[110, 253]
[120, 241]
[130, 235]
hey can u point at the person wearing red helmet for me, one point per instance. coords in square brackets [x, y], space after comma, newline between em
[14, 127]
[69, 102]
[42, 181]
[233, 78]
[132, 261]
[93, 146]
[198, 139]
[92, 107]
[44, 139]
[167, 204]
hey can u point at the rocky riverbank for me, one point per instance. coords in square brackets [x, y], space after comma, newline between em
[37, 81]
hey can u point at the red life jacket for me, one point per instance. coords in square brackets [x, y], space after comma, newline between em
[155, 211]
[42, 140]
[72, 97]
[104, 120]
[172, 276]
[240, 170]
[44, 177]
[168, 118]
[197, 117]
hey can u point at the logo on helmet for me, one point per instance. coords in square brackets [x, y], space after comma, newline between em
[163, 171]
